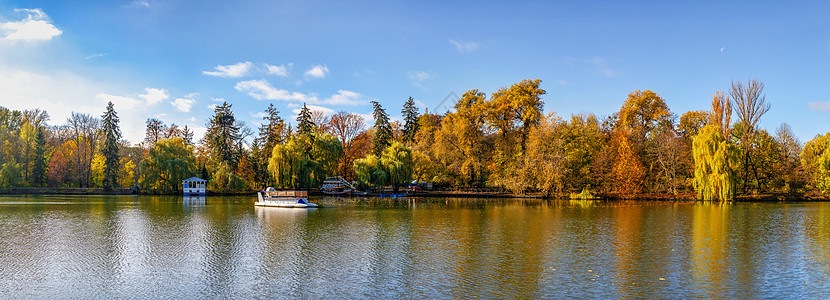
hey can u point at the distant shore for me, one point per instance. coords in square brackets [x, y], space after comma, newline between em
[796, 197]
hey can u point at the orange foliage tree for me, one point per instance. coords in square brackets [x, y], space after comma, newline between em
[628, 171]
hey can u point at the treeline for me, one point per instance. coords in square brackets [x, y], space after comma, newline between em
[504, 140]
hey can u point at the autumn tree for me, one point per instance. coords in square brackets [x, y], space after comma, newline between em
[112, 133]
[346, 126]
[459, 142]
[545, 163]
[628, 171]
[513, 111]
[428, 165]
[383, 130]
[691, 122]
[750, 106]
[84, 134]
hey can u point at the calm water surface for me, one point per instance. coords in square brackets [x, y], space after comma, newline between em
[224, 247]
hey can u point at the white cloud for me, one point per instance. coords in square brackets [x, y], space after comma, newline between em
[217, 99]
[418, 78]
[140, 3]
[463, 46]
[212, 106]
[183, 104]
[318, 71]
[120, 102]
[325, 110]
[819, 106]
[61, 92]
[36, 26]
[262, 90]
[344, 97]
[281, 70]
[96, 56]
[154, 96]
[602, 67]
[232, 71]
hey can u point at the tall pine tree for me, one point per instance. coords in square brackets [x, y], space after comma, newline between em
[304, 123]
[222, 136]
[383, 130]
[38, 177]
[112, 133]
[410, 117]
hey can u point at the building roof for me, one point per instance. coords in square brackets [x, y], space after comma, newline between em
[194, 179]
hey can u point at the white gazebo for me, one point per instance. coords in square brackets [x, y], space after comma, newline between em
[194, 186]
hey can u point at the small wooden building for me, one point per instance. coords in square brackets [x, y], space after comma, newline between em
[194, 186]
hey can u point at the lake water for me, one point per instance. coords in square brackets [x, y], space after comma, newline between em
[224, 247]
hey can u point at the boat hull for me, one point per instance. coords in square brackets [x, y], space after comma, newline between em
[277, 203]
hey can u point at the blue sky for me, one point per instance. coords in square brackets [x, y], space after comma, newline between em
[175, 59]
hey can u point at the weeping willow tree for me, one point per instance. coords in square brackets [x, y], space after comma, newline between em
[715, 160]
[225, 181]
[815, 159]
[168, 163]
[369, 171]
[395, 166]
[305, 160]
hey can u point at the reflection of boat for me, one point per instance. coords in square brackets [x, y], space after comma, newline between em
[337, 186]
[274, 198]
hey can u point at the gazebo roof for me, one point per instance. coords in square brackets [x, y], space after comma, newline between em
[194, 179]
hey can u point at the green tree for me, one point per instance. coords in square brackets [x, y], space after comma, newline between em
[38, 177]
[410, 117]
[582, 140]
[305, 160]
[222, 137]
[815, 159]
[397, 160]
[112, 133]
[369, 171]
[395, 166]
[383, 130]
[167, 164]
[226, 182]
[305, 125]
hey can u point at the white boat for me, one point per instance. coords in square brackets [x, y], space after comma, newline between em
[273, 198]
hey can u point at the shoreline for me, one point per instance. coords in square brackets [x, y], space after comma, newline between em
[780, 197]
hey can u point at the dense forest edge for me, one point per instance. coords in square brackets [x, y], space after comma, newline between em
[503, 145]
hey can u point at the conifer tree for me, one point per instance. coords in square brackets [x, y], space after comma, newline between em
[304, 123]
[39, 164]
[222, 135]
[410, 116]
[112, 133]
[383, 130]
